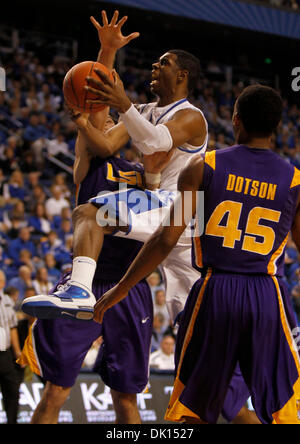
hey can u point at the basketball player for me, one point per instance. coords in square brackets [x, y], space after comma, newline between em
[56, 348]
[173, 78]
[172, 126]
[239, 311]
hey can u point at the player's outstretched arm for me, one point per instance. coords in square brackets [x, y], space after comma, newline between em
[111, 38]
[162, 241]
[187, 126]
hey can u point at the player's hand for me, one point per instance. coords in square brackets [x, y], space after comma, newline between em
[77, 117]
[108, 300]
[155, 163]
[110, 34]
[108, 92]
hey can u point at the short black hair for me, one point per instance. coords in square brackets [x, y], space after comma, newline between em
[191, 63]
[260, 109]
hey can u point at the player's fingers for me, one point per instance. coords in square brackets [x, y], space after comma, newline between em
[100, 95]
[95, 23]
[102, 101]
[132, 36]
[105, 79]
[122, 21]
[104, 18]
[116, 76]
[114, 18]
[94, 83]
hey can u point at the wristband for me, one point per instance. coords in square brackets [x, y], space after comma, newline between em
[152, 178]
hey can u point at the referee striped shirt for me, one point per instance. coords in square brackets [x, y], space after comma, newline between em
[8, 320]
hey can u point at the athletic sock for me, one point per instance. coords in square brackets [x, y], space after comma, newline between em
[83, 270]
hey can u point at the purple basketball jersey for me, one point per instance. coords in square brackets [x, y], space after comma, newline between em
[250, 198]
[107, 175]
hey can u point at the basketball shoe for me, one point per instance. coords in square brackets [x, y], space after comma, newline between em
[71, 301]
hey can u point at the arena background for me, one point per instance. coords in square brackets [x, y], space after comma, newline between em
[238, 43]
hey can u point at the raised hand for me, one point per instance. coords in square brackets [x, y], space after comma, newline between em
[110, 34]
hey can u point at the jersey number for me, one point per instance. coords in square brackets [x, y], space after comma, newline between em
[231, 233]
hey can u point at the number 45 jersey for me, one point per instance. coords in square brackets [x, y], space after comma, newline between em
[250, 200]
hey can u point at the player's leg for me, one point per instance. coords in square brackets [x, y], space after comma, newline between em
[125, 405]
[127, 328]
[55, 350]
[272, 368]
[75, 299]
[234, 408]
[246, 416]
[206, 351]
[53, 398]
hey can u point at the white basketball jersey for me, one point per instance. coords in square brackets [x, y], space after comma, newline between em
[183, 153]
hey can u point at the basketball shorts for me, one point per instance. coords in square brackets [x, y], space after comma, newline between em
[232, 319]
[142, 212]
[55, 349]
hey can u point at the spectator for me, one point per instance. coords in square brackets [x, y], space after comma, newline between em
[58, 147]
[22, 281]
[158, 331]
[15, 219]
[38, 221]
[13, 293]
[9, 351]
[159, 306]
[15, 188]
[155, 282]
[53, 273]
[65, 214]
[60, 181]
[163, 358]
[22, 242]
[56, 203]
[52, 245]
[35, 130]
[41, 283]
[65, 230]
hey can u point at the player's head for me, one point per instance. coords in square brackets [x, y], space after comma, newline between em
[175, 69]
[257, 113]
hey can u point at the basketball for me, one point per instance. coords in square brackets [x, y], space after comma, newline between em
[73, 86]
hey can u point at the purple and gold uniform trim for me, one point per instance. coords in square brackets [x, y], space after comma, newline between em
[29, 356]
[290, 412]
[272, 267]
[296, 178]
[176, 411]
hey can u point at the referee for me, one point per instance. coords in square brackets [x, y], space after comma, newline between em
[9, 352]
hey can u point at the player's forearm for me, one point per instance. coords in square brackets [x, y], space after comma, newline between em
[98, 143]
[107, 56]
[15, 343]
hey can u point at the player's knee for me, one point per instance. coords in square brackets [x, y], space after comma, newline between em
[55, 396]
[83, 212]
[125, 400]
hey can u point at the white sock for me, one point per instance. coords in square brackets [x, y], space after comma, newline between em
[83, 270]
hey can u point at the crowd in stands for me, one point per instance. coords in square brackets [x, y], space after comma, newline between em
[291, 4]
[37, 195]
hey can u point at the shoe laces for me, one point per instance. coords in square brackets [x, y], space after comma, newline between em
[63, 287]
